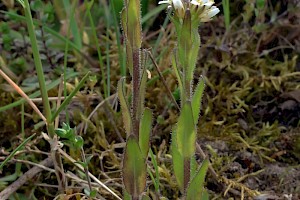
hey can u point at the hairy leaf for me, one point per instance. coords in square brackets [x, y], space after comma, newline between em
[186, 131]
[134, 168]
[185, 43]
[178, 162]
[177, 72]
[134, 23]
[142, 90]
[145, 131]
[124, 106]
[197, 99]
[195, 188]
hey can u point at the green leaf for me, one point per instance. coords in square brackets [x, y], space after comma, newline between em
[194, 166]
[260, 4]
[142, 93]
[78, 142]
[185, 42]
[126, 195]
[205, 195]
[195, 188]
[65, 132]
[193, 54]
[83, 164]
[134, 24]
[178, 162]
[186, 131]
[15, 151]
[145, 131]
[197, 99]
[22, 3]
[177, 73]
[156, 179]
[134, 168]
[61, 132]
[93, 193]
[129, 56]
[124, 106]
[70, 10]
[36, 5]
[145, 197]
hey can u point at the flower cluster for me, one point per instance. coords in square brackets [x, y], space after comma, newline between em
[202, 10]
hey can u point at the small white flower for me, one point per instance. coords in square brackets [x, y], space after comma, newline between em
[167, 1]
[204, 9]
[201, 3]
[212, 11]
[176, 4]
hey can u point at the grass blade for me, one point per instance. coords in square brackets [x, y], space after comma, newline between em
[69, 98]
[15, 151]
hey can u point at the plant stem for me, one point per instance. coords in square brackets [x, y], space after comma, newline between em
[49, 122]
[136, 91]
[187, 168]
[38, 64]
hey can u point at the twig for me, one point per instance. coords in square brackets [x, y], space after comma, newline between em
[5, 194]
[163, 80]
[90, 174]
[20, 91]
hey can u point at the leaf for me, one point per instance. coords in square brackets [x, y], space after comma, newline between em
[78, 142]
[156, 179]
[134, 24]
[126, 196]
[194, 166]
[142, 90]
[186, 131]
[193, 56]
[197, 100]
[177, 72]
[145, 197]
[124, 106]
[16, 150]
[185, 42]
[178, 162]
[134, 168]
[70, 10]
[145, 131]
[195, 188]
[129, 56]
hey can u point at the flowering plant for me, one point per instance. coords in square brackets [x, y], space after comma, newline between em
[186, 18]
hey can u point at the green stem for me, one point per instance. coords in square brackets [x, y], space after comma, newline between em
[38, 64]
[40, 73]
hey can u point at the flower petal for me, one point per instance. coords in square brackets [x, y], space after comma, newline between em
[213, 11]
[166, 1]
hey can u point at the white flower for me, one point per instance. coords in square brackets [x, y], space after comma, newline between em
[201, 3]
[212, 11]
[176, 4]
[204, 9]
